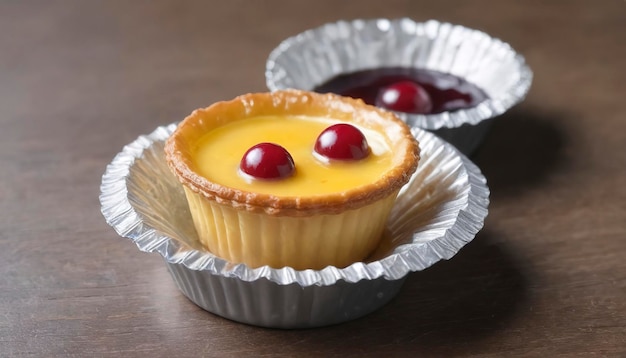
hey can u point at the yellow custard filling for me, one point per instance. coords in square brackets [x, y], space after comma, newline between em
[219, 152]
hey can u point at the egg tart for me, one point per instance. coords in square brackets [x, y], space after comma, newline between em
[291, 178]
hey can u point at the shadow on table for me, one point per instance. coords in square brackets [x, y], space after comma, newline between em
[523, 147]
[444, 309]
[459, 301]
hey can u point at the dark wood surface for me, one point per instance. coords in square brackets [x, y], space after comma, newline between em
[80, 79]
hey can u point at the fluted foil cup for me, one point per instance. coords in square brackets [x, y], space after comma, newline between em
[315, 56]
[439, 211]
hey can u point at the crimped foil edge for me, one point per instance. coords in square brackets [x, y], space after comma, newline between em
[415, 256]
[333, 38]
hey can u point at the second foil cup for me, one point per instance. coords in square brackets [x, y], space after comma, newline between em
[311, 58]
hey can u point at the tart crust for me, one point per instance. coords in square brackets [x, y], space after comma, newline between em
[180, 148]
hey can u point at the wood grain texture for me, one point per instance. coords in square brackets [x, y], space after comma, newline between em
[80, 79]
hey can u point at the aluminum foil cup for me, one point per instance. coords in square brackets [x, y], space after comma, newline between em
[439, 211]
[315, 56]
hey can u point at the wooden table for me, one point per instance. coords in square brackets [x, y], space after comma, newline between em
[80, 79]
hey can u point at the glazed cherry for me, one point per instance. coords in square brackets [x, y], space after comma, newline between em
[405, 96]
[267, 161]
[342, 142]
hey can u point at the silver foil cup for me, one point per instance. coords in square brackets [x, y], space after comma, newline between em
[315, 56]
[439, 211]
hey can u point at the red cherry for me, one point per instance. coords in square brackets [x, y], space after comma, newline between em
[267, 161]
[342, 142]
[405, 96]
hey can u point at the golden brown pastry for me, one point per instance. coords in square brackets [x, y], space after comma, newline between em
[291, 178]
